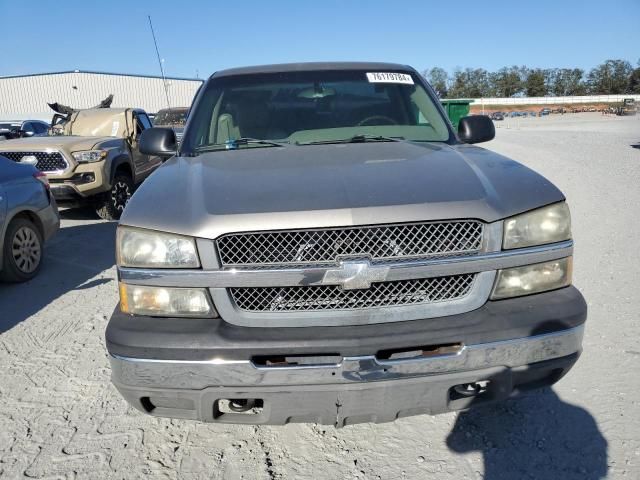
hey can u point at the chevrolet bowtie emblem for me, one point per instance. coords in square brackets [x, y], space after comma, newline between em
[355, 274]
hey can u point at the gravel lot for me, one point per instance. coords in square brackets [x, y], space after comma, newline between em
[61, 418]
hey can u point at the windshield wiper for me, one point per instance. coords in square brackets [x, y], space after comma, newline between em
[360, 138]
[236, 142]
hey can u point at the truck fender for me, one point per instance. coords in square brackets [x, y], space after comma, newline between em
[121, 159]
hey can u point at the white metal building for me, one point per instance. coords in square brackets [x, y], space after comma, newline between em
[555, 100]
[26, 96]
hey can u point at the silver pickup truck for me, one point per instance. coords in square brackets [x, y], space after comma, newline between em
[323, 247]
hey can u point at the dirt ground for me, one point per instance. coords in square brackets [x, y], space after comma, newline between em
[60, 418]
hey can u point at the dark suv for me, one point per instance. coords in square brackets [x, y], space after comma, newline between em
[174, 118]
[22, 128]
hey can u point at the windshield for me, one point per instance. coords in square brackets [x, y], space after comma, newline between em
[173, 117]
[320, 106]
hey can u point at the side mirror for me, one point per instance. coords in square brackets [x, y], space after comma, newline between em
[476, 129]
[158, 141]
[27, 133]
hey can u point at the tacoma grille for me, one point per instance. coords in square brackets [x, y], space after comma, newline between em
[333, 297]
[47, 161]
[328, 246]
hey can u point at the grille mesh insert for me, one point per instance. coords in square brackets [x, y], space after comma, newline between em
[47, 161]
[333, 297]
[380, 243]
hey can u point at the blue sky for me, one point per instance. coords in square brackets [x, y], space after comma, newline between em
[205, 36]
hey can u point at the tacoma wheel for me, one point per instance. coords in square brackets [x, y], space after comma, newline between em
[116, 199]
[22, 251]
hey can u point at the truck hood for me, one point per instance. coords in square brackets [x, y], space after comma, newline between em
[56, 142]
[292, 187]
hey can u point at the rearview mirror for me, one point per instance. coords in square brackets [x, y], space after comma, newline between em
[476, 129]
[158, 141]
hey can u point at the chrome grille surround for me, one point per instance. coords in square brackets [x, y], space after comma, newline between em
[379, 243]
[48, 161]
[333, 297]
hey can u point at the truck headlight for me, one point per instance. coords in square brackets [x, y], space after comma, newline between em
[540, 277]
[165, 302]
[89, 156]
[150, 249]
[544, 225]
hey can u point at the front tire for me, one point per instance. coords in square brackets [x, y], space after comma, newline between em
[21, 252]
[116, 199]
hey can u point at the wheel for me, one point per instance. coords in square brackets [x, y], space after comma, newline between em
[116, 199]
[21, 251]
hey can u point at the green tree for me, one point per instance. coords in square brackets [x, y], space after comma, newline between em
[458, 85]
[567, 81]
[550, 75]
[574, 81]
[439, 80]
[611, 77]
[634, 80]
[507, 81]
[471, 83]
[535, 83]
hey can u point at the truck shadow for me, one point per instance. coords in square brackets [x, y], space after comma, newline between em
[538, 436]
[73, 258]
[535, 436]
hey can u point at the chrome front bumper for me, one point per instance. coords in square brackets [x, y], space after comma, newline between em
[217, 372]
[356, 390]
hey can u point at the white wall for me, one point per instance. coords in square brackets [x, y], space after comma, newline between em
[27, 97]
[553, 100]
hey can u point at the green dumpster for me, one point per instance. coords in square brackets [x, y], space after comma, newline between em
[456, 109]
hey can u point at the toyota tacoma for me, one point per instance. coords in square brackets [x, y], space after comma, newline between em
[324, 247]
[91, 159]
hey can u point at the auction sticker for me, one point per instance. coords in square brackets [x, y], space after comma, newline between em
[389, 77]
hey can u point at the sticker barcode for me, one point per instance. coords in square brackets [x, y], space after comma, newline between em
[389, 77]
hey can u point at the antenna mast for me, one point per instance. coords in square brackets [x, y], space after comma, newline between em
[164, 80]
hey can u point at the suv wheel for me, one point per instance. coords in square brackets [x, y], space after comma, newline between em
[116, 199]
[22, 251]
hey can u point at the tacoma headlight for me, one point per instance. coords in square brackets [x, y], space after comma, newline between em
[89, 156]
[150, 249]
[165, 302]
[540, 277]
[544, 225]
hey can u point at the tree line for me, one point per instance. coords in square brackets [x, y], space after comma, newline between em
[609, 78]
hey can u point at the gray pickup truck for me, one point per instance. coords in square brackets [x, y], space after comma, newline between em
[323, 247]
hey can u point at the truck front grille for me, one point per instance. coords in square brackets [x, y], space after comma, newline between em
[329, 246]
[47, 161]
[333, 297]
